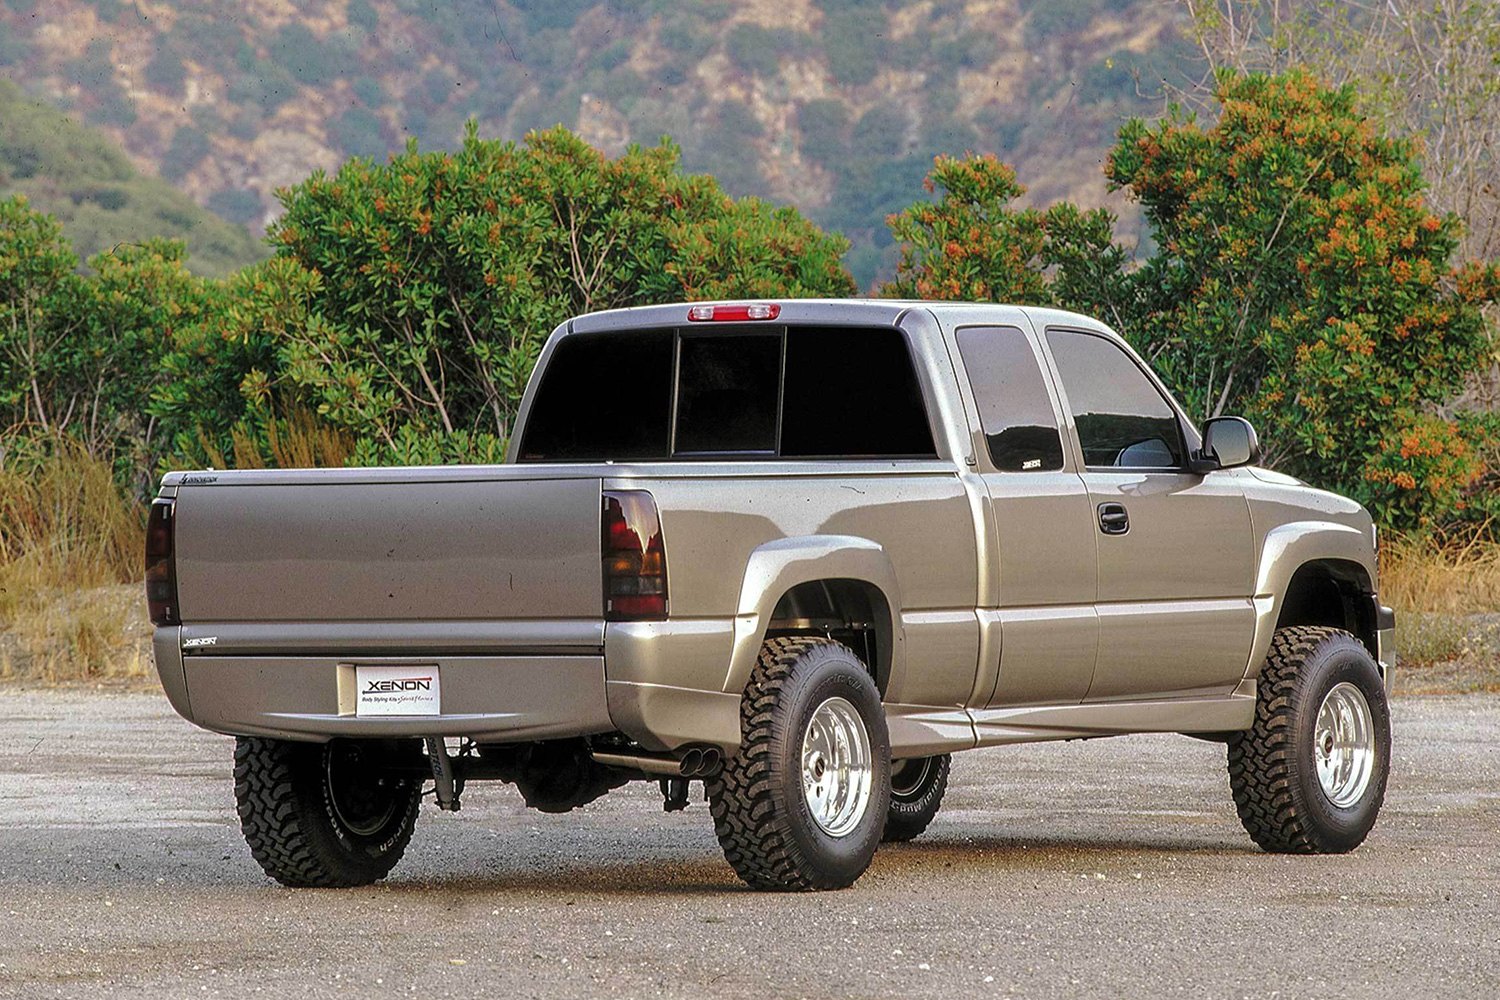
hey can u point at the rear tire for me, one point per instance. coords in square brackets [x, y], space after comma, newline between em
[325, 815]
[802, 803]
[1309, 777]
[917, 787]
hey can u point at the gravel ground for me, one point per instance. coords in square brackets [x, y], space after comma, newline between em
[1113, 867]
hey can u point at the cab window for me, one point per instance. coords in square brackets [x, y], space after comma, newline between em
[1123, 420]
[1015, 408]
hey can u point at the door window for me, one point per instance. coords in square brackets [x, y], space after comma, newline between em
[1015, 408]
[1123, 421]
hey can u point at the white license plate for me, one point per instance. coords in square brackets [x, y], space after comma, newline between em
[398, 691]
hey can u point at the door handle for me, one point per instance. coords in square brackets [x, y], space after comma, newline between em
[1113, 518]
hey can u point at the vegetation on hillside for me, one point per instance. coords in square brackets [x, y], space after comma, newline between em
[404, 306]
[835, 106]
[75, 174]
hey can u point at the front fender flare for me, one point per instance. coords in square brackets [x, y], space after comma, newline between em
[1289, 547]
[776, 567]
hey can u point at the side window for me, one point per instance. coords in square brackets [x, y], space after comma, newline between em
[1015, 408]
[1123, 420]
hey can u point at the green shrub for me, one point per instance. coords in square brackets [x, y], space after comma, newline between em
[359, 132]
[236, 205]
[362, 14]
[408, 300]
[823, 123]
[853, 47]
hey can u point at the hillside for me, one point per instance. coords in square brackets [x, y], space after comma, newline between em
[81, 177]
[836, 106]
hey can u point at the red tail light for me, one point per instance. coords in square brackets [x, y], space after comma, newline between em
[734, 314]
[161, 565]
[635, 561]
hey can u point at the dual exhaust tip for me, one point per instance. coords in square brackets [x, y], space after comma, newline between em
[701, 762]
[698, 761]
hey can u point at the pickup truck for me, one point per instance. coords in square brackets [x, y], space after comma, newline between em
[799, 551]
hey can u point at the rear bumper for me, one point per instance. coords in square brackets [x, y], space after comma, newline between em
[484, 698]
[663, 689]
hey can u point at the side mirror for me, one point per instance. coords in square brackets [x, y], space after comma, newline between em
[1228, 442]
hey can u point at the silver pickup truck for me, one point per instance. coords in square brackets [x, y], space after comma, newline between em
[800, 551]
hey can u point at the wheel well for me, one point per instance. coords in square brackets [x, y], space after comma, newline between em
[1331, 592]
[854, 612]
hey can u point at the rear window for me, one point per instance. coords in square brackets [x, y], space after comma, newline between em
[792, 392]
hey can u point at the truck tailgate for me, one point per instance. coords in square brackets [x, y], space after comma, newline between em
[326, 547]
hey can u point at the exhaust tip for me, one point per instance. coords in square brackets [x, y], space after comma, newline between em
[701, 761]
[713, 759]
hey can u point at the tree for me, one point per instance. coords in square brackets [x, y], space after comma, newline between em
[38, 286]
[972, 244]
[82, 353]
[1298, 277]
[1302, 279]
[408, 300]
[1424, 68]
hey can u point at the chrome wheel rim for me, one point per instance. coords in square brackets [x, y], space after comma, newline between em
[1344, 745]
[836, 767]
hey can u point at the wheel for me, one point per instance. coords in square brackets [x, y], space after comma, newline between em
[329, 814]
[802, 803]
[1309, 777]
[917, 787]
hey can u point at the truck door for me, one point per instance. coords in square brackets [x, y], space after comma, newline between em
[1175, 549]
[1040, 556]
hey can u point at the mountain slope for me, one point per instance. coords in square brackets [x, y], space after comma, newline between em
[836, 106]
[81, 177]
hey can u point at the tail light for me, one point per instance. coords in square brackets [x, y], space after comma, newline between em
[161, 565]
[635, 561]
[734, 314]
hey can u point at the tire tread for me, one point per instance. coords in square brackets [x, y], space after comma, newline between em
[756, 842]
[1262, 759]
[274, 819]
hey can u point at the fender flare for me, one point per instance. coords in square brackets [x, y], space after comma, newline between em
[1287, 548]
[776, 567]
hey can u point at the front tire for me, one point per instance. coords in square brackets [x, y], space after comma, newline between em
[802, 803]
[327, 815]
[1309, 777]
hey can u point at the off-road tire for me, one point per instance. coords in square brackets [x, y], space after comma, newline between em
[294, 830]
[1272, 769]
[760, 812]
[917, 787]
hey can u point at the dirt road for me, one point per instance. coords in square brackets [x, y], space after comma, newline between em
[1111, 868]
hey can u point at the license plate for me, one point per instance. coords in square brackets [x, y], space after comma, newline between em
[398, 691]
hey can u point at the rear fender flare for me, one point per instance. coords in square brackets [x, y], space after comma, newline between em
[776, 567]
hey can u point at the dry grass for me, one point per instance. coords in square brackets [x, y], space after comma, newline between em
[1439, 575]
[298, 440]
[70, 548]
[1446, 593]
